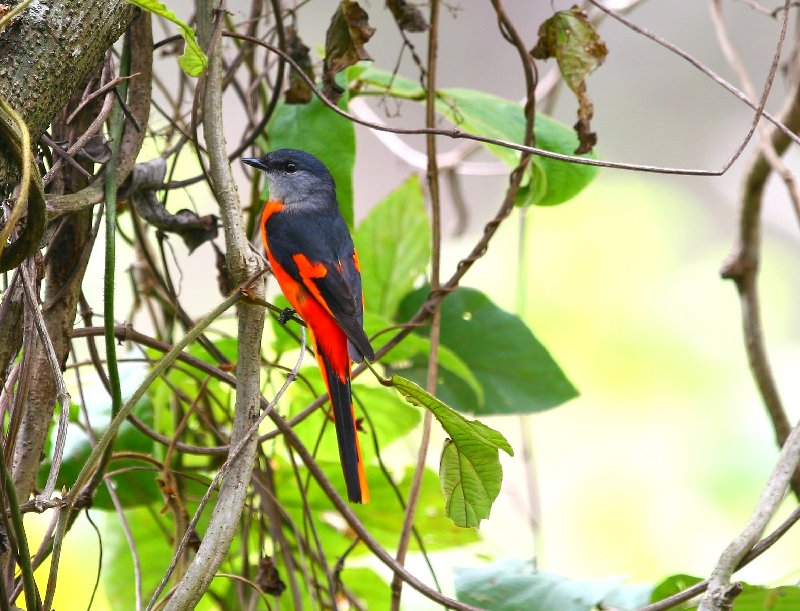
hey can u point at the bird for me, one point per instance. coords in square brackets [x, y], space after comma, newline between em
[314, 261]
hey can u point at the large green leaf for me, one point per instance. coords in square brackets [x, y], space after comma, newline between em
[489, 115]
[517, 373]
[549, 182]
[193, 61]
[318, 130]
[393, 244]
[511, 585]
[470, 469]
[419, 346]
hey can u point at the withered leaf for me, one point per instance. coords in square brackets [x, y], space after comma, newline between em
[298, 91]
[193, 229]
[95, 150]
[268, 578]
[408, 17]
[344, 44]
[571, 39]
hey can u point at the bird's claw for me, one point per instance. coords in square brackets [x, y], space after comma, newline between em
[285, 315]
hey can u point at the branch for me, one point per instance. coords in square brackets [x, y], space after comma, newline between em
[458, 134]
[241, 264]
[774, 492]
[41, 69]
[430, 75]
[743, 267]
[720, 593]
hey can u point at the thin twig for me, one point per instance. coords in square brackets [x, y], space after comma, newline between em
[436, 318]
[757, 106]
[356, 525]
[720, 591]
[126, 529]
[62, 395]
[21, 538]
[232, 456]
[241, 264]
[768, 159]
[758, 549]
[458, 134]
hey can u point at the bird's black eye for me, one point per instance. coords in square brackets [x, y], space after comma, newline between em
[291, 168]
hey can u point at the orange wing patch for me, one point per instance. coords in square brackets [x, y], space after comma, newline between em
[309, 271]
[355, 260]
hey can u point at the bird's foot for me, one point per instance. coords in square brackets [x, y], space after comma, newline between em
[285, 315]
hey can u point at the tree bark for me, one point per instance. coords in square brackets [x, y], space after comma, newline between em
[47, 51]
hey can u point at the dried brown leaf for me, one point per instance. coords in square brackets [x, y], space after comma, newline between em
[268, 578]
[344, 44]
[298, 91]
[407, 16]
[571, 39]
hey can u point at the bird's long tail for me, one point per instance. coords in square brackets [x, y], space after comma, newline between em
[346, 430]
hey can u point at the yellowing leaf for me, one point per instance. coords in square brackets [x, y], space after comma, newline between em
[344, 43]
[193, 61]
[571, 39]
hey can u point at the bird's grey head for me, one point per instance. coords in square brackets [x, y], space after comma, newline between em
[293, 175]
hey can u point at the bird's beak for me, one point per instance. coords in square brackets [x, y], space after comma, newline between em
[255, 162]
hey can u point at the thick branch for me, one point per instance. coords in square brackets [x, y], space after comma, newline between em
[48, 51]
[241, 264]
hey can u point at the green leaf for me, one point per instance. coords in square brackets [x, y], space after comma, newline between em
[318, 130]
[516, 372]
[418, 346]
[755, 598]
[571, 38]
[389, 83]
[672, 585]
[393, 247]
[511, 585]
[193, 61]
[752, 598]
[470, 469]
[366, 584]
[549, 182]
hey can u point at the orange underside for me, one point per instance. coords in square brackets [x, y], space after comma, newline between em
[330, 342]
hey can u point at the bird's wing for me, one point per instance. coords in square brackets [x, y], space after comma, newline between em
[323, 260]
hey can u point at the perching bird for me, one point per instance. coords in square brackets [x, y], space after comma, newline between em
[314, 261]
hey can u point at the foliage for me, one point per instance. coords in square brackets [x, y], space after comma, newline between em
[152, 469]
[193, 61]
[512, 584]
[470, 468]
